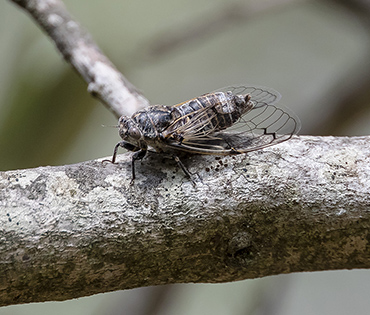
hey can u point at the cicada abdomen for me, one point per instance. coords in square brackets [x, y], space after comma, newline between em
[207, 114]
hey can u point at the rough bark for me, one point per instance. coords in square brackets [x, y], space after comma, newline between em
[76, 230]
[78, 48]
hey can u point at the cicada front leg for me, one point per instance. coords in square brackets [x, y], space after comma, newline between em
[138, 155]
[123, 144]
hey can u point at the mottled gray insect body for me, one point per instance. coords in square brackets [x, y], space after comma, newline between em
[198, 126]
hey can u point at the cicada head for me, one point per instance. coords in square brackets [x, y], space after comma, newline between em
[128, 130]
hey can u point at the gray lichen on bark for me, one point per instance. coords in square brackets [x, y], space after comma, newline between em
[76, 230]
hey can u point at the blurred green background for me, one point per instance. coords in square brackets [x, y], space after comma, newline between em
[317, 54]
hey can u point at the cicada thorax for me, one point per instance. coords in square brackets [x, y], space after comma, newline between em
[153, 120]
[207, 114]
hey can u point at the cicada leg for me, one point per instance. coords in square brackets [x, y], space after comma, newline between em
[179, 163]
[184, 169]
[138, 155]
[123, 144]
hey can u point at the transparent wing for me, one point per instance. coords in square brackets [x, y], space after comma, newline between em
[194, 128]
[265, 125]
[259, 94]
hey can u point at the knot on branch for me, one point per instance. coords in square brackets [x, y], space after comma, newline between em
[241, 249]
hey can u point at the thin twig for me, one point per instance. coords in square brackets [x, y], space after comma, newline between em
[78, 48]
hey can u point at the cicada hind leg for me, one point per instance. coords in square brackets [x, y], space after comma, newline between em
[184, 169]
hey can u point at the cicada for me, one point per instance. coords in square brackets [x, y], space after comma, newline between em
[228, 121]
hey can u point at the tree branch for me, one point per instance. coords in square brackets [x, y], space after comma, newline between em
[78, 48]
[76, 230]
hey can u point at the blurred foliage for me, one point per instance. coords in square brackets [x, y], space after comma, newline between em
[42, 120]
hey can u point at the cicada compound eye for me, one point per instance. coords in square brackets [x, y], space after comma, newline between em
[134, 133]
